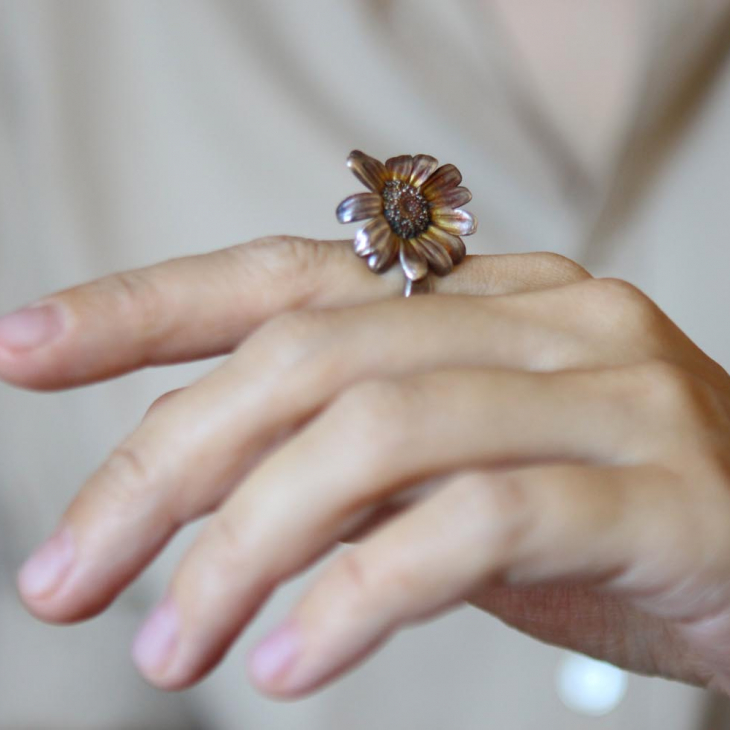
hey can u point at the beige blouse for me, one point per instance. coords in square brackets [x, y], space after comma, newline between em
[141, 130]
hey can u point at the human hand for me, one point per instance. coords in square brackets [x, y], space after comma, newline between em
[572, 444]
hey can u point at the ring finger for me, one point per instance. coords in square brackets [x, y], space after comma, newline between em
[524, 526]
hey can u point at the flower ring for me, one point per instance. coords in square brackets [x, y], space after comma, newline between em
[415, 210]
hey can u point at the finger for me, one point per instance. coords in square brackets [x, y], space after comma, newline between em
[194, 446]
[164, 398]
[201, 306]
[374, 516]
[371, 442]
[525, 526]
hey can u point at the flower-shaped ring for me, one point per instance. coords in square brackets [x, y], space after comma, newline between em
[414, 207]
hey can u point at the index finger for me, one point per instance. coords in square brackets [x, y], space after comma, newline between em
[202, 306]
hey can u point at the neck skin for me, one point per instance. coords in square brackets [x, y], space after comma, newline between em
[595, 67]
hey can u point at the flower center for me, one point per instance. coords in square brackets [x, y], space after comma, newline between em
[405, 209]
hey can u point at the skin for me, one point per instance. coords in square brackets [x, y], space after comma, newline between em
[544, 445]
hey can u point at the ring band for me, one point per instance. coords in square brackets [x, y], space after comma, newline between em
[413, 213]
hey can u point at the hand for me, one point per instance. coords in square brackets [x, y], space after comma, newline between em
[551, 448]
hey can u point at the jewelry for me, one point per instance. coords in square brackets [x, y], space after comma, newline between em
[414, 207]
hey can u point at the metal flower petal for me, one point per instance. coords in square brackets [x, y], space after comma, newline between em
[453, 245]
[437, 256]
[451, 198]
[358, 207]
[374, 237]
[400, 167]
[413, 260]
[423, 167]
[459, 222]
[384, 258]
[447, 176]
[370, 172]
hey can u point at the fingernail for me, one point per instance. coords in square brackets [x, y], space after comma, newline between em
[30, 327]
[275, 653]
[44, 570]
[154, 644]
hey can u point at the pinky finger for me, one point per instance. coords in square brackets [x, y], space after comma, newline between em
[526, 526]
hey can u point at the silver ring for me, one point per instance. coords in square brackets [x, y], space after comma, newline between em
[414, 215]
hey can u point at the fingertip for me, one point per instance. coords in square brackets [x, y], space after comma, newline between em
[28, 345]
[288, 665]
[31, 327]
[46, 567]
[155, 642]
[62, 610]
[53, 591]
[164, 684]
[268, 663]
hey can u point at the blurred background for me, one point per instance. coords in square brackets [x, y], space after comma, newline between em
[137, 131]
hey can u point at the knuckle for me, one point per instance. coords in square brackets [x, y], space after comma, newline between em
[360, 581]
[286, 257]
[352, 575]
[618, 290]
[667, 383]
[624, 307]
[398, 581]
[497, 506]
[379, 412]
[161, 400]
[562, 269]
[228, 541]
[128, 477]
[672, 390]
[137, 299]
[290, 337]
[220, 562]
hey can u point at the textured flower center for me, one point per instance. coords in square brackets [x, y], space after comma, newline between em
[405, 209]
